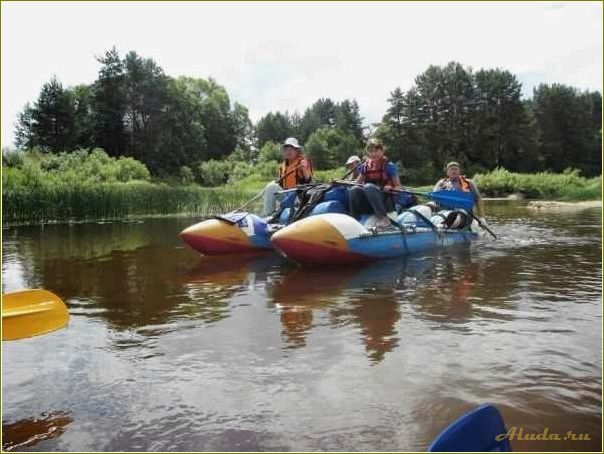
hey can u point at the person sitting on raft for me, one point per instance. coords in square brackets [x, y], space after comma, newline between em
[295, 169]
[352, 167]
[455, 181]
[377, 175]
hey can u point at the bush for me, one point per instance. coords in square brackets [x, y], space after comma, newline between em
[130, 169]
[425, 174]
[12, 157]
[270, 151]
[186, 175]
[214, 173]
[325, 176]
[80, 166]
[543, 185]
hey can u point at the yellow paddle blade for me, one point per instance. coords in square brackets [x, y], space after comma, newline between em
[29, 313]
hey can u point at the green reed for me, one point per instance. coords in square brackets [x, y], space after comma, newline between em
[86, 201]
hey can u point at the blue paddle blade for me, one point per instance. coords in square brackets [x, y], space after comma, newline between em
[453, 199]
[481, 429]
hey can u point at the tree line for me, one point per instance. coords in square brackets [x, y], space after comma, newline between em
[134, 109]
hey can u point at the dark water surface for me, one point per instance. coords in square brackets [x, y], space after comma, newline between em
[167, 350]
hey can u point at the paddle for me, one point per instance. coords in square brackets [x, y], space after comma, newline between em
[309, 204]
[447, 199]
[29, 313]
[482, 226]
[347, 174]
[261, 193]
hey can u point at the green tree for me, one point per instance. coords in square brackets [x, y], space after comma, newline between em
[84, 116]
[217, 118]
[109, 104]
[500, 121]
[328, 148]
[243, 130]
[445, 117]
[322, 113]
[146, 95]
[182, 140]
[270, 151]
[393, 131]
[53, 118]
[273, 127]
[24, 133]
[566, 128]
[349, 120]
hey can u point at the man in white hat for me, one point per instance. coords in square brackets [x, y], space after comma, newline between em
[455, 181]
[352, 166]
[295, 169]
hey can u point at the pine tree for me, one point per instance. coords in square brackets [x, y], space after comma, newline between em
[53, 118]
[109, 104]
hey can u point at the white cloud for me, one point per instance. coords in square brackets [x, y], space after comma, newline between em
[277, 56]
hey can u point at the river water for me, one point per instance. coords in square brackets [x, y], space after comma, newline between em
[170, 351]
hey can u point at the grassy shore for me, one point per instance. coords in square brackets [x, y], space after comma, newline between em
[115, 201]
[568, 186]
[94, 187]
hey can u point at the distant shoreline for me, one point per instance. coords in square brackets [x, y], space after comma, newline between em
[555, 205]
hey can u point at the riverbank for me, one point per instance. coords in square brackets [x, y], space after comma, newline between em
[550, 205]
[39, 188]
[110, 201]
[568, 186]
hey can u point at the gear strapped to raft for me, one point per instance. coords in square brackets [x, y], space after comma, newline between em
[306, 199]
[428, 222]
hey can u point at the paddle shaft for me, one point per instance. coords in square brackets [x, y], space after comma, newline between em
[261, 193]
[351, 171]
[428, 195]
[482, 226]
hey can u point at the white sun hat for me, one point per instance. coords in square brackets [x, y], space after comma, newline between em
[292, 142]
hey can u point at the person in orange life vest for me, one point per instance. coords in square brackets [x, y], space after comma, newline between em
[455, 181]
[294, 170]
[376, 175]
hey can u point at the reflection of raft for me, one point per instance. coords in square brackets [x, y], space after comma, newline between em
[242, 232]
[338, 238]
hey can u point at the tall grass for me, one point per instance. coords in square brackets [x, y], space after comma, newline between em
[38, 187]
[115, 201]
[83, 186]
[567, 186]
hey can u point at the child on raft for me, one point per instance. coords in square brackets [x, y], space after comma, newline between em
[377, 176]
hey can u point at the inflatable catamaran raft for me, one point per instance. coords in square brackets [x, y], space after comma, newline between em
[338, 238]
[319, 230]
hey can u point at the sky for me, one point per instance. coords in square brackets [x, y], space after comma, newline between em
[285, 55]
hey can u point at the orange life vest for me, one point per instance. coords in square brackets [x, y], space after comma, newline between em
[292, 174]
[464, 184]
[375, 172]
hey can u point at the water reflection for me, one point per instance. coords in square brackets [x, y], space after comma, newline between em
[363, 296]
[168, 350]
[28, 432]
[211, 284]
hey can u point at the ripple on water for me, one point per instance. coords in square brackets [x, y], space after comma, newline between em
[167, 351]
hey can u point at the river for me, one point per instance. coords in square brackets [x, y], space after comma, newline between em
[170, 351]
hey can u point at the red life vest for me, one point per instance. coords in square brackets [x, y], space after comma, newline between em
[375, 172]
[294, 177]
